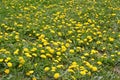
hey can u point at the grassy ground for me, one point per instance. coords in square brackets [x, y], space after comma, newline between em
[59, 39]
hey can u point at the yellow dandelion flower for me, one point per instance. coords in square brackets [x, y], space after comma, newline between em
[83, 72]
[35, 64]
[34, 78]
[58, 53]
[71, 51]
[9, 64]
[89, 73]
[49, 55]
[94, 51]
[46, 69]
[40, 45]
[59, 34]
[33, 49]
[113, 14]
[21, 60]
[16, 51]
[71, 70]
[86, 54]
[29, 72]
[7, 71]
[7, 59]
[51, 51]
[79, 24]
[63, 48]
[94, 69]
[26, 49]
[98, 42]
[118, 53]
[43, 56]
[1, 37]
[17, 37]
[99, 63]
[34, 54]
[42, 51]
[1, 60]
[53, 69]
[70, 32]
[52, 31]
[28, 55]
[67, 45]
[111, 39]
[59, 66]
[56, 75]
[73, 77]
[82, 68]
[20, 65]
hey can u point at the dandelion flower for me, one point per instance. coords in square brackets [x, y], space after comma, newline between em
[9, 64]
[56, 75]
[46, 69]
[94, 69]
[71, 51]
[83, 72]
[34, 78]
[7, 71]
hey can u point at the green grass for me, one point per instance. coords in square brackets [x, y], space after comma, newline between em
[59, 39]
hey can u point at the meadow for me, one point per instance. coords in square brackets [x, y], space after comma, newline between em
[59, 39]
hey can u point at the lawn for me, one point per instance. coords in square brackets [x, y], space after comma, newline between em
[59, 39]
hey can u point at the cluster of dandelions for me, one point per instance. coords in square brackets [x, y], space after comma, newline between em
[59, 40]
